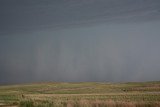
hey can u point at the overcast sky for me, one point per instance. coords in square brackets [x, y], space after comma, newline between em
[79, 40]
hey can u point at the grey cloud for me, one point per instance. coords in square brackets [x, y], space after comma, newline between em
[28, 16]
[79, 40]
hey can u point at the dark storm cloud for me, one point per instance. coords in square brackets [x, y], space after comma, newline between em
[79, 40]
[31, 15]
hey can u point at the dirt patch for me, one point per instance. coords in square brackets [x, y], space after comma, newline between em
[6, 105]
[2, 104]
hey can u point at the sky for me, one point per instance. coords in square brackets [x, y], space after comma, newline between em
[79, 41]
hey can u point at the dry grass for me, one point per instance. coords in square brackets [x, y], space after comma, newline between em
[81, 95]
[89, 103]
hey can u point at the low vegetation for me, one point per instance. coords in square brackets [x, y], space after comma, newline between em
[87, 94]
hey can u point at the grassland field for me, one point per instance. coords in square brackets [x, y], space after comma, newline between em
[82, 94]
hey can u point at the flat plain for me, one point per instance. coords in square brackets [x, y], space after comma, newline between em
[81, 94]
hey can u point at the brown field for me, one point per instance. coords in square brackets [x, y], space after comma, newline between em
[86, 94]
